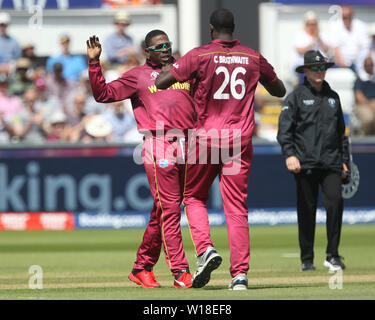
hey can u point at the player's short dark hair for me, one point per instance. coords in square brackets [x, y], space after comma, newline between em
[222, 20]
[152, 34]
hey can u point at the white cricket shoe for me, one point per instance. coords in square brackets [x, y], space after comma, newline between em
[208, 262]
[334, 263]
[239, 282]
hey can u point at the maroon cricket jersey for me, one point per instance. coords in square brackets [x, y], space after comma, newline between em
[173, 108]
[226, 75]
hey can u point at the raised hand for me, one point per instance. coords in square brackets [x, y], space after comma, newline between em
[94, 49]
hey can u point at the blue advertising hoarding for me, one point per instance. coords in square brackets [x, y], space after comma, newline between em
[108, 180]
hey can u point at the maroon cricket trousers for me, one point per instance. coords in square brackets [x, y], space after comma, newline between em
[164, 162]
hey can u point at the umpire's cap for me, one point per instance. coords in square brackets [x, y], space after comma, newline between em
[314, 58]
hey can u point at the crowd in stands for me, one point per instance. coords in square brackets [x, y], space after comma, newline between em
[50, 100]
[350, 43]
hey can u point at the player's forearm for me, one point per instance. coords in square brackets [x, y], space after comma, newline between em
[97, 82]
[102, 91]
[275, 88]
[164, 80]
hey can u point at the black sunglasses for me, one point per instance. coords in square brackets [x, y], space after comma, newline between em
[161, 46]
[316, 68]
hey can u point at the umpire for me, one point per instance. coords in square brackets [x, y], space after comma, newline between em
[312, 137]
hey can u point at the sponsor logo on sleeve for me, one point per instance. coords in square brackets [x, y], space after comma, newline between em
[332, 102]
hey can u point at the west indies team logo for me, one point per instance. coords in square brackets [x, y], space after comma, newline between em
[163, 163]
[154, 75]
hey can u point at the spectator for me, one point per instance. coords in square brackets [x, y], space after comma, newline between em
[133, 61]
[84, 87]
[37, 63]
[97, 129]
[372, 35]
[20, 81]
[77, 117]
[367, 52]
[73, 65]
[349, 38]
[9, 105]
[309, 38]
[47, 104]
[6, 130]
[57, 85]
[58, 130]
[118, 45]
[364, 90]
[121, 120]
[33, 128]
[4, 67]
[9, 47]
[77, 113]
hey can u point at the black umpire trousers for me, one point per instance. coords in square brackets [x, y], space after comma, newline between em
[308, 182]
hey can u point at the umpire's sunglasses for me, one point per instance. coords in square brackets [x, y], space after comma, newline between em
[316, 68]
[161, 47]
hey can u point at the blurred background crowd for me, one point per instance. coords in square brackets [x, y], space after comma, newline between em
[49, 99]
[350, 43]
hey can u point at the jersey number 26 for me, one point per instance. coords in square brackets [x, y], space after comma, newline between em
[230, 79]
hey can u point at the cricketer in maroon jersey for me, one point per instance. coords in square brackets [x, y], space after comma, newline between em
[155, 110]
[226, 75]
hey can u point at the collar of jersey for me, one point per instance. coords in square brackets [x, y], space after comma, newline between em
[227, 43]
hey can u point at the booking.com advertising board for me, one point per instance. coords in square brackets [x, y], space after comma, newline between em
[102, 187]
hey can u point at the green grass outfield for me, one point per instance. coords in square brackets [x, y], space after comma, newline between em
[94, 264]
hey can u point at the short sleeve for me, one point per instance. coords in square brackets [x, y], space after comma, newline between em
[267, 74]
